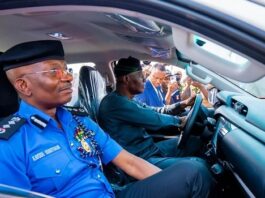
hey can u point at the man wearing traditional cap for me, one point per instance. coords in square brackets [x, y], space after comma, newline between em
[127, 121]
[49, 149]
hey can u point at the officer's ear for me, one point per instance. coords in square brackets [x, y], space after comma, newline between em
[22, 86]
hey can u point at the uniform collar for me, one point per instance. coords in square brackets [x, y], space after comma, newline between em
[155, 88]
[64, 115]
[26, 111]
[38, 119]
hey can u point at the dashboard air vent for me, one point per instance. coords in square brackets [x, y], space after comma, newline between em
[239, 107]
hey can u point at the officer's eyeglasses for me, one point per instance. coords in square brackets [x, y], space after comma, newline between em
[57, 73]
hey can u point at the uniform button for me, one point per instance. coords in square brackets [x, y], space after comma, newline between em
[71, 144]
[98, 175]
[57, 171]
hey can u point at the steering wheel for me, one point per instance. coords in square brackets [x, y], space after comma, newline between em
[191, 118]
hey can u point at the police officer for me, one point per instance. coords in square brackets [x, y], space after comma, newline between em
[58, 151]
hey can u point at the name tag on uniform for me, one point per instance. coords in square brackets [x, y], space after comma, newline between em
[45, 152]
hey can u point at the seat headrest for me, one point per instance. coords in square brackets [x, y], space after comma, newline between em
[91, 90]
[9, 101]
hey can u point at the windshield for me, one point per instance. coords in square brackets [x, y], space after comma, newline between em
[256, 88]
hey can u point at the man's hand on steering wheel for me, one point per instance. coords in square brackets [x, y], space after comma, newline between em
[183, 121]
[189, 122]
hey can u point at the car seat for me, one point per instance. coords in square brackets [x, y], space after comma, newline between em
[9, 101]
[91, 90]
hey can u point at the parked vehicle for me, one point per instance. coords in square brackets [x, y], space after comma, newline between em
[219, 43]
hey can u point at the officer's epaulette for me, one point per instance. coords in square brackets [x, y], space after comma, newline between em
[38, 121]
[76, 111]
[10, 125]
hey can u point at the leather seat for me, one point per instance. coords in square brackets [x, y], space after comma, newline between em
[91, 90]
[9, 102]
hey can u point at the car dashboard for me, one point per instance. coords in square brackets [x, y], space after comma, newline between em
[238, 143]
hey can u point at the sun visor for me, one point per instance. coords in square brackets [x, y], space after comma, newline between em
[189, 44]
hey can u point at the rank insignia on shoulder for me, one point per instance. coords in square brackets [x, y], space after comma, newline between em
[10, 125]
[76, 111]
[38, 121]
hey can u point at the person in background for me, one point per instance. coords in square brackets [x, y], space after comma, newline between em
[179, 76]
[152, 94]
[176, 95]
[146, 70]
[192, 87]
[59, 151]
[170, 88]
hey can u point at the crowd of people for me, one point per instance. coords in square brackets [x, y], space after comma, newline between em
[164, 87]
